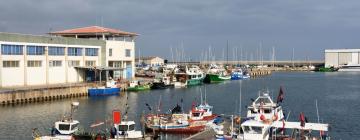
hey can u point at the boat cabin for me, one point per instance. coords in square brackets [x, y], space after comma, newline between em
[66, 127]
[201, 111]
[126, 129]
[263, 108]
[134, 83]
[255, 130]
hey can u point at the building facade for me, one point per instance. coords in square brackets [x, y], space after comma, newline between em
[44, 60]
[339, 57]
[150, 61]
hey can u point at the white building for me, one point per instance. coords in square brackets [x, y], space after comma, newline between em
[68, 57]
[150, 61]
[339, 57]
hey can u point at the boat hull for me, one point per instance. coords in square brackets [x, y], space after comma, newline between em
[160, 86]
[194, 82]
[215, 78]
[139, 88]
[177, 129]
[103, 91]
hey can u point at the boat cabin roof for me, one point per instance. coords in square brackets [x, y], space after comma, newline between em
[254, 123]
[126, 123]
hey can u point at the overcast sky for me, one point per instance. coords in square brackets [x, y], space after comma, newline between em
[308, 26]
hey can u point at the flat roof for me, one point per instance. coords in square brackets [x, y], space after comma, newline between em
[341, 50]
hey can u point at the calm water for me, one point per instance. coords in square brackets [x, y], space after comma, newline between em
[338, 96]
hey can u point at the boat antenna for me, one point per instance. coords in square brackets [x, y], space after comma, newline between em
[201, 97]
[240, 98]
[205, 97]
[317, 113]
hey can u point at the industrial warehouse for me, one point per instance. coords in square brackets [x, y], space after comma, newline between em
[344, 59]
[68, 56]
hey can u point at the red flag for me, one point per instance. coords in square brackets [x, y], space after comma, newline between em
[116, 117]
[302, 119]
[280, 97]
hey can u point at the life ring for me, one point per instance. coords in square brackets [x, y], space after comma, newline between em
[262, 117]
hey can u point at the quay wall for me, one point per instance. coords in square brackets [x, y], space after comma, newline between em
[41, 94]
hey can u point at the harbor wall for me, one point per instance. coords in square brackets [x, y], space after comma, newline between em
[41, 94]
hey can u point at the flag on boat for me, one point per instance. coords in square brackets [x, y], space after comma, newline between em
[280, 97]
[116, 117]
[302, 119]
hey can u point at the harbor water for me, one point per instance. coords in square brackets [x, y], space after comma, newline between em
[337, 94]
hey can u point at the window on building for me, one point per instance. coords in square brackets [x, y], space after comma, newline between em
[35, 50]
[7, 49]
[127, 52]
[91, 51]
[110, 52]
[36, 63]
[74, 51]
[55, 63]
[90, 63]
[56, 50]
[9, 64]
[115, 64]
[73, 63]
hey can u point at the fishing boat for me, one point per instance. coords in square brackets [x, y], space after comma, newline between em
[216, 74]
[65, 129]
[259, 130]
[180, 122]
[136, 86]
[188, 76]
[350, 67]
[162, 82]
[263, 108]
[239, 73]
[111, 88]
[123, 129]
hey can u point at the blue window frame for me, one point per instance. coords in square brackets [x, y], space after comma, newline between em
[56, 50]
[91, 51]
[7, 49]
[35, 50]
[74, 51]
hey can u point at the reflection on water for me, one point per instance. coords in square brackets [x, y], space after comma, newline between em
[338, 96]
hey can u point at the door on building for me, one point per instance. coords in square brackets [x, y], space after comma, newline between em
[128, 72]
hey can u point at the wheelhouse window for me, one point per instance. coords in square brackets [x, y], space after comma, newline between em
[131, 127]
[123, 127]
[35, 50]
[34, 63]
[56, 51]
[196, 114]
[74, 51]
[55, 63]
[10, 64]
[91, 51]
[63, 127]
[7, 49]
[74, 126]
[127, 52]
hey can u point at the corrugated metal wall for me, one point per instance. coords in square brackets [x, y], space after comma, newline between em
[345, 58]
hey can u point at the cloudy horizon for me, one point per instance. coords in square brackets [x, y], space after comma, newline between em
[306, 26]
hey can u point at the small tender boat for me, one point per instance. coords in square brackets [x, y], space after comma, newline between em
[350, 67]
[237, 74]
[136, 86]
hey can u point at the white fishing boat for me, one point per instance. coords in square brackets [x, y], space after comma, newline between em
[350, 67]
[63, 129]
[263, 108]
[126, 130]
